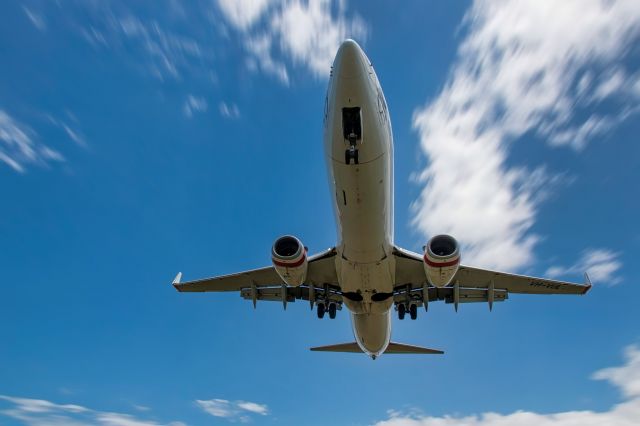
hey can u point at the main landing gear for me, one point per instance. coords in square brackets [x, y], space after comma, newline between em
[402, 310]
[322, 308]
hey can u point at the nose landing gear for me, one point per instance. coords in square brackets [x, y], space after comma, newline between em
[352, 132]
[351, 153]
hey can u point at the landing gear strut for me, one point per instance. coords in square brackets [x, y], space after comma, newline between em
[350, 153]
[352, 132]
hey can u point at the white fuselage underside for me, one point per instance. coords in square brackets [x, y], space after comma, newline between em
[363, 196]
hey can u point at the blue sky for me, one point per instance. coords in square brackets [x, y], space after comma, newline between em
[139, 139]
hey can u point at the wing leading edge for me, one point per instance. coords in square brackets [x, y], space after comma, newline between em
[321, 272]
[410, 272]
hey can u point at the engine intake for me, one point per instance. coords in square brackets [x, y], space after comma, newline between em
[289, 258]
[441, 259]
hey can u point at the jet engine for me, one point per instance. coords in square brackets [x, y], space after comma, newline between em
[289, 258]
[441, 259]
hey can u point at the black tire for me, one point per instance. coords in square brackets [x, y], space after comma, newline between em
[321, 310]
[413, 311]
[401, 311]
[347, 157]
[355, 157]
[332, 310]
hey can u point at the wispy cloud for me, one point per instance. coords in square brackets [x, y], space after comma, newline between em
[194, 104]
[19, 145]
[158, 46]
[523, 68]
[601, 265]
[305, 33]
[232, 410]
[626, 378]
[39, 412]
[166, 50]
[229, 110]
[69, 125]
[36, 19]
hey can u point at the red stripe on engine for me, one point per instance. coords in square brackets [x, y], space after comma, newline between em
[289, 265]
[440, 265]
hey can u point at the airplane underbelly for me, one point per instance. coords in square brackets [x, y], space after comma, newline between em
[365, 267]
[372, 331]
[363, 208]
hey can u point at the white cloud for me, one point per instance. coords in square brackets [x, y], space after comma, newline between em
[194, 104]
[260, 48]
[627, 413]
[229, 110]
[216, 407]
[243, 13]
[601, 265]
[38, 412]
[611, 83]
[306, 33]
[19, 145]
[253, 407]
[523, 68]
[626, 377]
[233, 411]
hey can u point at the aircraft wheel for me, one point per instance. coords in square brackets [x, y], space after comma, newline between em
[413, 311]
[401, 311]
[347, 157]
[355, 157]
[321, 310]
[332, 310]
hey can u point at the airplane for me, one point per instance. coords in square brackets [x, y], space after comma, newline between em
[366, 271]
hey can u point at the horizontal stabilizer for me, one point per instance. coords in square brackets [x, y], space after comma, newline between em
[393, 348]
[400, 348]
[341, 347]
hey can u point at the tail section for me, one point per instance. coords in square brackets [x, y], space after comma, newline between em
[393, 348]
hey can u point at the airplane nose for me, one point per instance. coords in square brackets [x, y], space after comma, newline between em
[350, 60]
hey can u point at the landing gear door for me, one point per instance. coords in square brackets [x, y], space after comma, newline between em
[352, 125]
[352, 132]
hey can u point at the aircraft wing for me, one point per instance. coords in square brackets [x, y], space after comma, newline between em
[410, 271]
[321, 271]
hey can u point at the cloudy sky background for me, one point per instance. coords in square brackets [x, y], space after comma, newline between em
[139, 139]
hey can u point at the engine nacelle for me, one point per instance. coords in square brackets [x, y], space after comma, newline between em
[441, 259]
[289, 258]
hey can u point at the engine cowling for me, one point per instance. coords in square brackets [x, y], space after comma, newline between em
[289, 258]
[441, 259]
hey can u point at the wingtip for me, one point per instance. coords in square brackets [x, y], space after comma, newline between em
[176, 280]
[587, 282]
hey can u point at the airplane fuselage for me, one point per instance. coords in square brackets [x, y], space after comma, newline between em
[359, 153]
